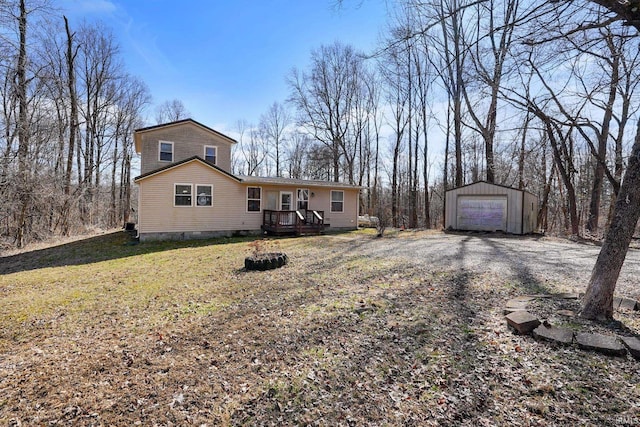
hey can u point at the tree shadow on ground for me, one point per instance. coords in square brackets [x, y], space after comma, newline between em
[116, 245]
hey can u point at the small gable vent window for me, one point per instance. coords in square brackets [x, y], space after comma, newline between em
[166, 151]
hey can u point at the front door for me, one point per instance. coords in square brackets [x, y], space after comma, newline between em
[286, 200]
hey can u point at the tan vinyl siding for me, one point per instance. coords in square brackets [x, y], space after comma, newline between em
[320, 200]
[158, 214]
[228, 213]
[188, 140]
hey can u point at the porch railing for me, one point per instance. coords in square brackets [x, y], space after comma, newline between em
[300, 221]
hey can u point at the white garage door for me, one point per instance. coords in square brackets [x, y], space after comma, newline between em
[482, 213]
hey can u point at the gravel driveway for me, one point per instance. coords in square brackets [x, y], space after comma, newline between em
[532, 259]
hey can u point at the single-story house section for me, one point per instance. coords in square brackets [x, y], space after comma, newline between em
[182, 197]
[482, 206]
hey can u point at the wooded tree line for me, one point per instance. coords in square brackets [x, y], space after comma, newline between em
[67, 119]
[538, 96]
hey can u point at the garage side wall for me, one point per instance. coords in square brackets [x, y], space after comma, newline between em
[514, 201]
[530, 213]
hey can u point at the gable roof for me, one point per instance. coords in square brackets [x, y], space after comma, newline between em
[255, 180]
[490, 183]
[137, 133]
[183, 162]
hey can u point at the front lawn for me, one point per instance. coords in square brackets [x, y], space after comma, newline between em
[102, 332]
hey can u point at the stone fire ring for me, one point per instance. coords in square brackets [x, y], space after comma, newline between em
[267, 261]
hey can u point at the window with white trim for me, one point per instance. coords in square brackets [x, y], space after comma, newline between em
[303, 198]
[182, 195]
[254, 199]
[165, 151]
[211, 154]
[204, 195]
[337, 201]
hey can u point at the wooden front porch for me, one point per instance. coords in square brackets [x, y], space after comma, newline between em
[293, 222]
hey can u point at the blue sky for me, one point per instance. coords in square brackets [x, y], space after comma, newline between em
[227, 60]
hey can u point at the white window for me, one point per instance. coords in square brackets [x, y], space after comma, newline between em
[303, 198]
[165, 150]
[182, 195]
[211, 154]
[254, 199]
[337, 201]
[204, 195]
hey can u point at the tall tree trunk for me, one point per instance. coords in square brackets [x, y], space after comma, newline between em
[603, 137]
[597, 302]
[23, 127]
[521, 155]
[445, 172]
[73, 128]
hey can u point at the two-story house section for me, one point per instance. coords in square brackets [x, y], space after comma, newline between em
[187, 190]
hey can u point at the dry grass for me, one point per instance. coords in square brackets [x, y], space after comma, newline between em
[100, 332]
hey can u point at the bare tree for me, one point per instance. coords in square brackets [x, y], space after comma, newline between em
[598, 300]
[274, 124]
[397, 96]
[489, 51]
[324, 98]
[171, 111]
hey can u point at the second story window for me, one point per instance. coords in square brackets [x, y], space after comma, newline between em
[166, 151]
[211, 154]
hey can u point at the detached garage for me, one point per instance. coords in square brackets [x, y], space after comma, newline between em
[490, 207]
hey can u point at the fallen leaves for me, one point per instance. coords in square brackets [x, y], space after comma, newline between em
[354, 331]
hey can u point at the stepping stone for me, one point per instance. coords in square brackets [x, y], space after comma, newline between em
[604, 344]
[566, 313]
[633, 344]
[525, 298]
[522, 321]
[509, 310]
[552, 334]
[517, 303]
[628, 304]
[535, 296]
[616, 302]
[570, 295]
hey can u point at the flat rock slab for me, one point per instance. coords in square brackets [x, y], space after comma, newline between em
[628, 304]
[509, 310]
[568, 296]
[525, 298]
[552, 334]
[522, 321]
[601, 343]
[517, 303]
[633, 344]
[566, 313]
